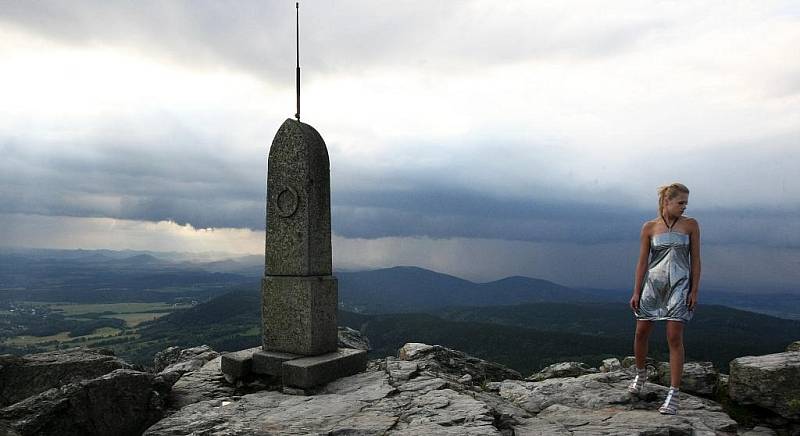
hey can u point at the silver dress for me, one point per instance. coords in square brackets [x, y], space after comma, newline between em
[665, 288]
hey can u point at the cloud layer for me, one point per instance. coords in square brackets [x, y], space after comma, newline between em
[503, 124]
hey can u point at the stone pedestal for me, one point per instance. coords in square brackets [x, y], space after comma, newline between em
[299, 314]
[307, 372]
[299, 297]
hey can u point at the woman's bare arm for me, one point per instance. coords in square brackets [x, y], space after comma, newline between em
[694, 252]
[641, 264]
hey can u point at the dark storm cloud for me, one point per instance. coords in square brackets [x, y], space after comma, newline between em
[184, 181]
[258, 36]
[177, 182]
[449, 213]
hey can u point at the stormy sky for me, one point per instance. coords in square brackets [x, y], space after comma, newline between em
[482, 139]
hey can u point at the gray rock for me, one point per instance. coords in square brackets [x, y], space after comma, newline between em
[401, 370]
[423, 396]
[630, 361]
[206, 383]
[24, 376]
[771, 381]
[352, 338]
[723, 383]
[794, 346]
[123, 402]
[600, 404]
[237, 364]
[165, 358]
[611, 364]
[438, 359]
[180, 362]
[308, 372]
[759, 431]
[699, 378]
[562, 369]
[362, 404]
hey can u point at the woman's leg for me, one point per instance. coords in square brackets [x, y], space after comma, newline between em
[675, 341]
[640, 342]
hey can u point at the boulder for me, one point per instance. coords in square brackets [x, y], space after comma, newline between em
[455, 363]
[123, 402]
[352, 338]
[770, 381]
[600, 404]
[794, 346]
[362, 404]
[630, 361]
[191, 359]
[165, 358]
[611, 364]
[430, 390]
[24, 376]
[179, 362]
[699, 378]
[562, 369]
[206, 383]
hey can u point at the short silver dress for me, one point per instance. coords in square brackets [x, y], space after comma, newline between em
[665, 288]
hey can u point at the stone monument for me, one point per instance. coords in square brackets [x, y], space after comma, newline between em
[299, 294]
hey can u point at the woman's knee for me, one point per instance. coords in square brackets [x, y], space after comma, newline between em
[675, 339]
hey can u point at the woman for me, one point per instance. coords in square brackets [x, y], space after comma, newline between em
[666, 286]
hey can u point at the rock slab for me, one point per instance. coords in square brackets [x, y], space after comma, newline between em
[24, 376]
[313, 371]
[421, 394]
[121, 403]
[770, 381]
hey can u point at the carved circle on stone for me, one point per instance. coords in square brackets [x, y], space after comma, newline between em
[286, 202]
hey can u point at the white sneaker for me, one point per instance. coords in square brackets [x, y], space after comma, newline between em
[670, 406]
[637, 385]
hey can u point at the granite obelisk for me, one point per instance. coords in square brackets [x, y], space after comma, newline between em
[299, 295]
[299, 292]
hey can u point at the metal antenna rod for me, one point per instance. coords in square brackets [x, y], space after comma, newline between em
[297, 75]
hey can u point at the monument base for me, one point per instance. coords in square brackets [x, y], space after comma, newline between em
[299, 314]
[307, 372]
[303, 372]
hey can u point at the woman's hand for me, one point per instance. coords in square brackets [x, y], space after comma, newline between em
[691, 301]
[634, 303]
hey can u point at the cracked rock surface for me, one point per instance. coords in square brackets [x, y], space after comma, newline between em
[425, 392]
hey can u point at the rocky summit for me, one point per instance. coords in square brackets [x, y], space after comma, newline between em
[425, 390]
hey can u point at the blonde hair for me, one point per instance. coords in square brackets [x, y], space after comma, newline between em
[669, 192]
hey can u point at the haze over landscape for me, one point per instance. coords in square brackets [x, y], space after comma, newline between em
[483, 140]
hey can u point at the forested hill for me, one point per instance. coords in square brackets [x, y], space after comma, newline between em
[412, 289]
[525, 337]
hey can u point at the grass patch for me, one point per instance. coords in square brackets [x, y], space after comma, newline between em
[79, 309]
[255, 331]
[21, 341]
[134, 319]
[103, 332]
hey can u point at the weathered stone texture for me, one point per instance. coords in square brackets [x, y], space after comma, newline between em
[699, 378]
[238, 364]
[562, 369]
[299, 314]
[123, 402]
[298, 203]
[23, 376]
[271, 362]
[317, 370]
[771, 381]
[422, 396]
